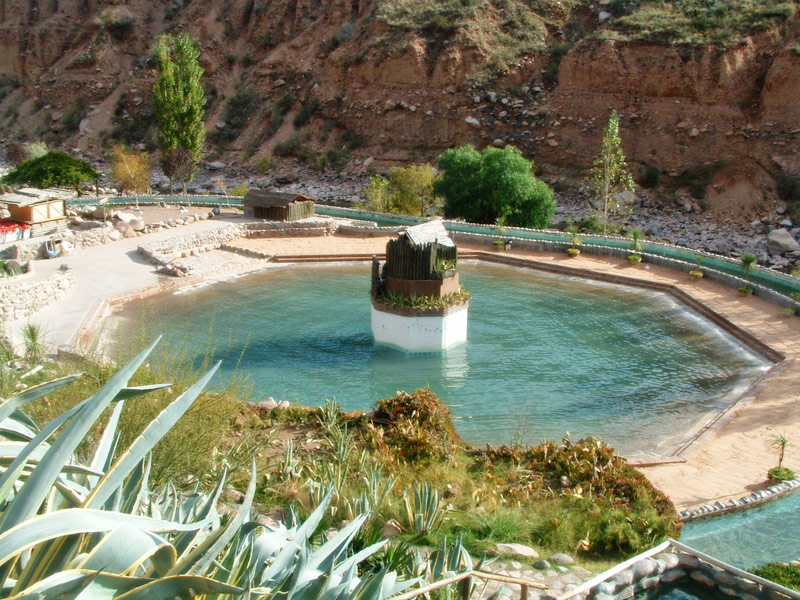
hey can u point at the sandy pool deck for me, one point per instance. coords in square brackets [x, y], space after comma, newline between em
[728, 460]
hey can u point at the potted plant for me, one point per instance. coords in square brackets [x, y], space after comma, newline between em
[636, 237]
[575, 241]
[500, 226]
[747, 261]
[780, 473]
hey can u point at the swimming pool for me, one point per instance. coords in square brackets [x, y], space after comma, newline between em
[545, 355]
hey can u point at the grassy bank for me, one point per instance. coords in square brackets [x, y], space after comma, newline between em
[403, 462]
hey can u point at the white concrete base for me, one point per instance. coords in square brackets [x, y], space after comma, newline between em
[420, 334]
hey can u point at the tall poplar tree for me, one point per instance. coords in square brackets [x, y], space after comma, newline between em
[179, 99]
[610, 175]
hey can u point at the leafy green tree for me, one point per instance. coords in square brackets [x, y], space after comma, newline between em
[54, 169]
[407, 190]
[482, 186]
[610, 175]
[178, 97]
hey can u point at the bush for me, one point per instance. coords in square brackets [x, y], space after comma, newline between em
[785, 575]
[482, 186]
[649, 177]
[237, 111]
[789, 190]
[780, 474]
[408, 190]
[601, 505]
[306, 112]
[416, 427]
[264, 165]
[130, 171]
[118, 22]
[54, 169]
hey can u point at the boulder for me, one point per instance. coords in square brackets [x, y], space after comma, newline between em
[517, 550]
[268, 404]
[5, 213]
[781, 241]
[137, 225]
[216, 165]
[123, 216]
[122, 226]
[472, 121]
[562, 559]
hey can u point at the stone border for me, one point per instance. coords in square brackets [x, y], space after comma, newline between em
[757, 498]
[167, 254]
[672, 264]
[673, 563]
[20, 299]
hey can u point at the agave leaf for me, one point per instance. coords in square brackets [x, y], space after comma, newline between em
[13, 429]
[27, 502]
[136, 490]
[325, 557]
[87, 584]
[170, 587]
[122, 550]
[309, 526]
[203, 554]
[281, 566]
[24, 419]
[9, 451]
[156, 430]
[370, 587]
[105, 447]
[209, 509]
[11, 475]
[359, 556]
[7, 407]
[75, 521]
[127, 393]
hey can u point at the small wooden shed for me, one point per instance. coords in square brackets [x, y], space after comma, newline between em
[33, 209]
[277, 206]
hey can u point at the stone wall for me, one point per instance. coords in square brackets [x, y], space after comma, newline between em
[167, 254]
[22, 296]
[671, 568]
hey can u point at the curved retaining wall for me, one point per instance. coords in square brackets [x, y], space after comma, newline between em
[20, 298]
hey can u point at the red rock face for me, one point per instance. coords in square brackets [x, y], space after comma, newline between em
[680, 107]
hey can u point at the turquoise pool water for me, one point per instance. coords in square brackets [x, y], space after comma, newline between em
[768, 533]
[546, 355]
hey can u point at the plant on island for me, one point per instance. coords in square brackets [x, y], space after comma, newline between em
[424, 303]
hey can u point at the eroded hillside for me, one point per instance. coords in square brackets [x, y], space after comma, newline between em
[696, 83]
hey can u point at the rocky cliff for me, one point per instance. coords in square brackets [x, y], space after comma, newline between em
[395, 81]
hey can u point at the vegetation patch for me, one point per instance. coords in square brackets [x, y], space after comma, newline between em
[54, 169]
[502, 30]
[785, 575]
[237, 111]
[699, 22]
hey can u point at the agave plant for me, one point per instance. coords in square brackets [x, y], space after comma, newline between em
[96, 530]
[424, 512]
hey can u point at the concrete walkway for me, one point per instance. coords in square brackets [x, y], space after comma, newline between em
[100, 272]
